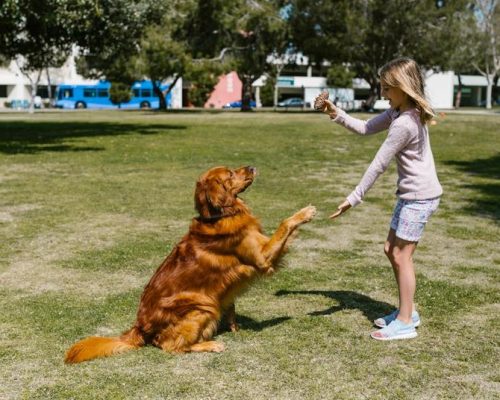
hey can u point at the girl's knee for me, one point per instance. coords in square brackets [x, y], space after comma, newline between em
[402, 259]
[395, 255]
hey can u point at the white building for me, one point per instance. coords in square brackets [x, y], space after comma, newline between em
[440, 87]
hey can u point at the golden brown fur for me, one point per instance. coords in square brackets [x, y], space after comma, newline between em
[221, 254]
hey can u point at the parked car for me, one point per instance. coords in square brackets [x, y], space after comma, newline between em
[18, 104]
[237, 104]
[293, 102]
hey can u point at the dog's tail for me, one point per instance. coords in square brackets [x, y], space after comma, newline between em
[95, 347]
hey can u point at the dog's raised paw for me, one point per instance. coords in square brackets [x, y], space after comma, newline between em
[307, 213]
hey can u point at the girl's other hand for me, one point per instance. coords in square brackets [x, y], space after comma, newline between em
[341, 209]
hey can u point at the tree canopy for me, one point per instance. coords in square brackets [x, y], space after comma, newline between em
[128, 40]
[486, 58]
[37, 34]
[366, 34]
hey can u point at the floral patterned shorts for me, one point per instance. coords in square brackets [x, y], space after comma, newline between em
[410, 217]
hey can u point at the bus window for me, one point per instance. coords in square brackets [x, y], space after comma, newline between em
[146, 93]
[102, 93]
[87, 92]
[136, 93]
[65, 94]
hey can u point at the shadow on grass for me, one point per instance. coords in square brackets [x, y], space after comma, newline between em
[247, 323]
[34, 137]
[486, 203]
[347, 300]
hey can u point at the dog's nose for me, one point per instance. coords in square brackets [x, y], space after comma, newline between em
[252, 170]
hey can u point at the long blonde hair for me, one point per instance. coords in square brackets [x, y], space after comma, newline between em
[405, 74]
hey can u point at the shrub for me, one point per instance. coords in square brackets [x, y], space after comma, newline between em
[119, 93]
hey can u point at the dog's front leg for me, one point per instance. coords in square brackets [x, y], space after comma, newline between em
[274, 247]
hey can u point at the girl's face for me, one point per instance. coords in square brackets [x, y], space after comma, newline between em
[398, 99]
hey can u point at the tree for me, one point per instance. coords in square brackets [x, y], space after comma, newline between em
[267, 92]
[461, 56]
[260, 30]
[161, 57]
[320, 29]
[339, 76]
[37, 34]
[202, 75]
[366, 34]
[111, 36]
[487, 60]
[235, 34]
[282, 56]
[119, 93]
[206, 30]
[163, 37]
[10, 27]
[241, 34]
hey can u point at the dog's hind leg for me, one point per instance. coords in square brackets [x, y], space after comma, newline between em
[189, 334]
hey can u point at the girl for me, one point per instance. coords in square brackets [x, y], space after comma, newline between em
[418, 188]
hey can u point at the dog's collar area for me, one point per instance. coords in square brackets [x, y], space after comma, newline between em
[215, 218]
[211, 219]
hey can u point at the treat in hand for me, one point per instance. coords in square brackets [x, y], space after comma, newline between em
[319, 103]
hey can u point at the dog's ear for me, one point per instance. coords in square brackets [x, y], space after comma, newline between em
[211, 197]
[200, 200]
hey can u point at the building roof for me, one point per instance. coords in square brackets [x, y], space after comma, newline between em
[472, 80]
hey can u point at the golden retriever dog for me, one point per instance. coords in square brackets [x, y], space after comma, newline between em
[217, 259]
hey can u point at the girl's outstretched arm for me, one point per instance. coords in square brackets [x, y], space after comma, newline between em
[361, 127]
[376, 124]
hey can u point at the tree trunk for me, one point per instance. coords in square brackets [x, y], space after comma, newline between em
[495, 89]
[279, 67]
[489, 89]
[372, 98]
[246, 92]
[374, 93]
[275, 95]
[458, 97]
[34, 89]
[171, 86]
[162, 105]
[49, 87]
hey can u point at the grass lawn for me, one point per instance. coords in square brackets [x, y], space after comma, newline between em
[91, 203]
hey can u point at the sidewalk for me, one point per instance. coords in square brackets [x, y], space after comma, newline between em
[479, 111]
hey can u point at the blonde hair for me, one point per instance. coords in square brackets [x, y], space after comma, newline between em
[405, 74]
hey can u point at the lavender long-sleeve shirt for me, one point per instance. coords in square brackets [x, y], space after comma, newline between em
[407, 141]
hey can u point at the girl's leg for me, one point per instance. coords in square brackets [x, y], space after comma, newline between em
[388, 247]
[400, 254]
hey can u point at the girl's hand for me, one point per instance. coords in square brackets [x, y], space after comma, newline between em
[330, 109]
[341, 209]
[321, 103]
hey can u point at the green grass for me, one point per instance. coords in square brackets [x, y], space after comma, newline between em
[91, 203]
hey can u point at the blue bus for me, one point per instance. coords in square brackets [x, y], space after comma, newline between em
[96, 96]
